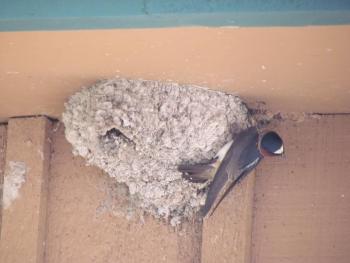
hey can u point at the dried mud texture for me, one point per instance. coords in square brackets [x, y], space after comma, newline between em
[13, 181]
[138, 131]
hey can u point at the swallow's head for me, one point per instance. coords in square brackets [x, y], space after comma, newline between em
[271, 144]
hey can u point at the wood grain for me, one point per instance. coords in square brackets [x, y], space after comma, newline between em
[302, 201]
[23, 232]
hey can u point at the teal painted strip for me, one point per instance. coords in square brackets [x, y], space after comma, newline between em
[93, 14]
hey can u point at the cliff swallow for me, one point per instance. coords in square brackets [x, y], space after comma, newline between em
[235, 160]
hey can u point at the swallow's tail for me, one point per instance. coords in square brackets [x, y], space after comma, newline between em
[198, 173]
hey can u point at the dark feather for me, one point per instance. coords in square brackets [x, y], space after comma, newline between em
[242, 157]
[230, 187]
[215, 188]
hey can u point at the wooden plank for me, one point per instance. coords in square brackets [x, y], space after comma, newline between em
[25, 191]
[227, 233]
[85, 221]
[3, 129]
[314, 59]
[302, 208]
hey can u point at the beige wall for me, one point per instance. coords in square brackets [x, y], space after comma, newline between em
[291, 69]
[302, 211]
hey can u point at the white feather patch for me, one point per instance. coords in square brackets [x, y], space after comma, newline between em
[222, 152]
[279, 151]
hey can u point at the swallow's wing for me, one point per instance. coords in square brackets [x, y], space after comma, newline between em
[198, 173]
[232, 169]
[230, 184]
[217, 190]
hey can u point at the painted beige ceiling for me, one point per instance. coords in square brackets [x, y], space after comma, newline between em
[291, 68]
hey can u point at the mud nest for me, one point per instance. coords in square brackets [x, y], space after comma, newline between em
[138, 131]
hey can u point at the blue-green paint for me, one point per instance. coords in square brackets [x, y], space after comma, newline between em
[99, 14]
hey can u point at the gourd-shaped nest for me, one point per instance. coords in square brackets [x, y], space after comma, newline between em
[138, 131]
